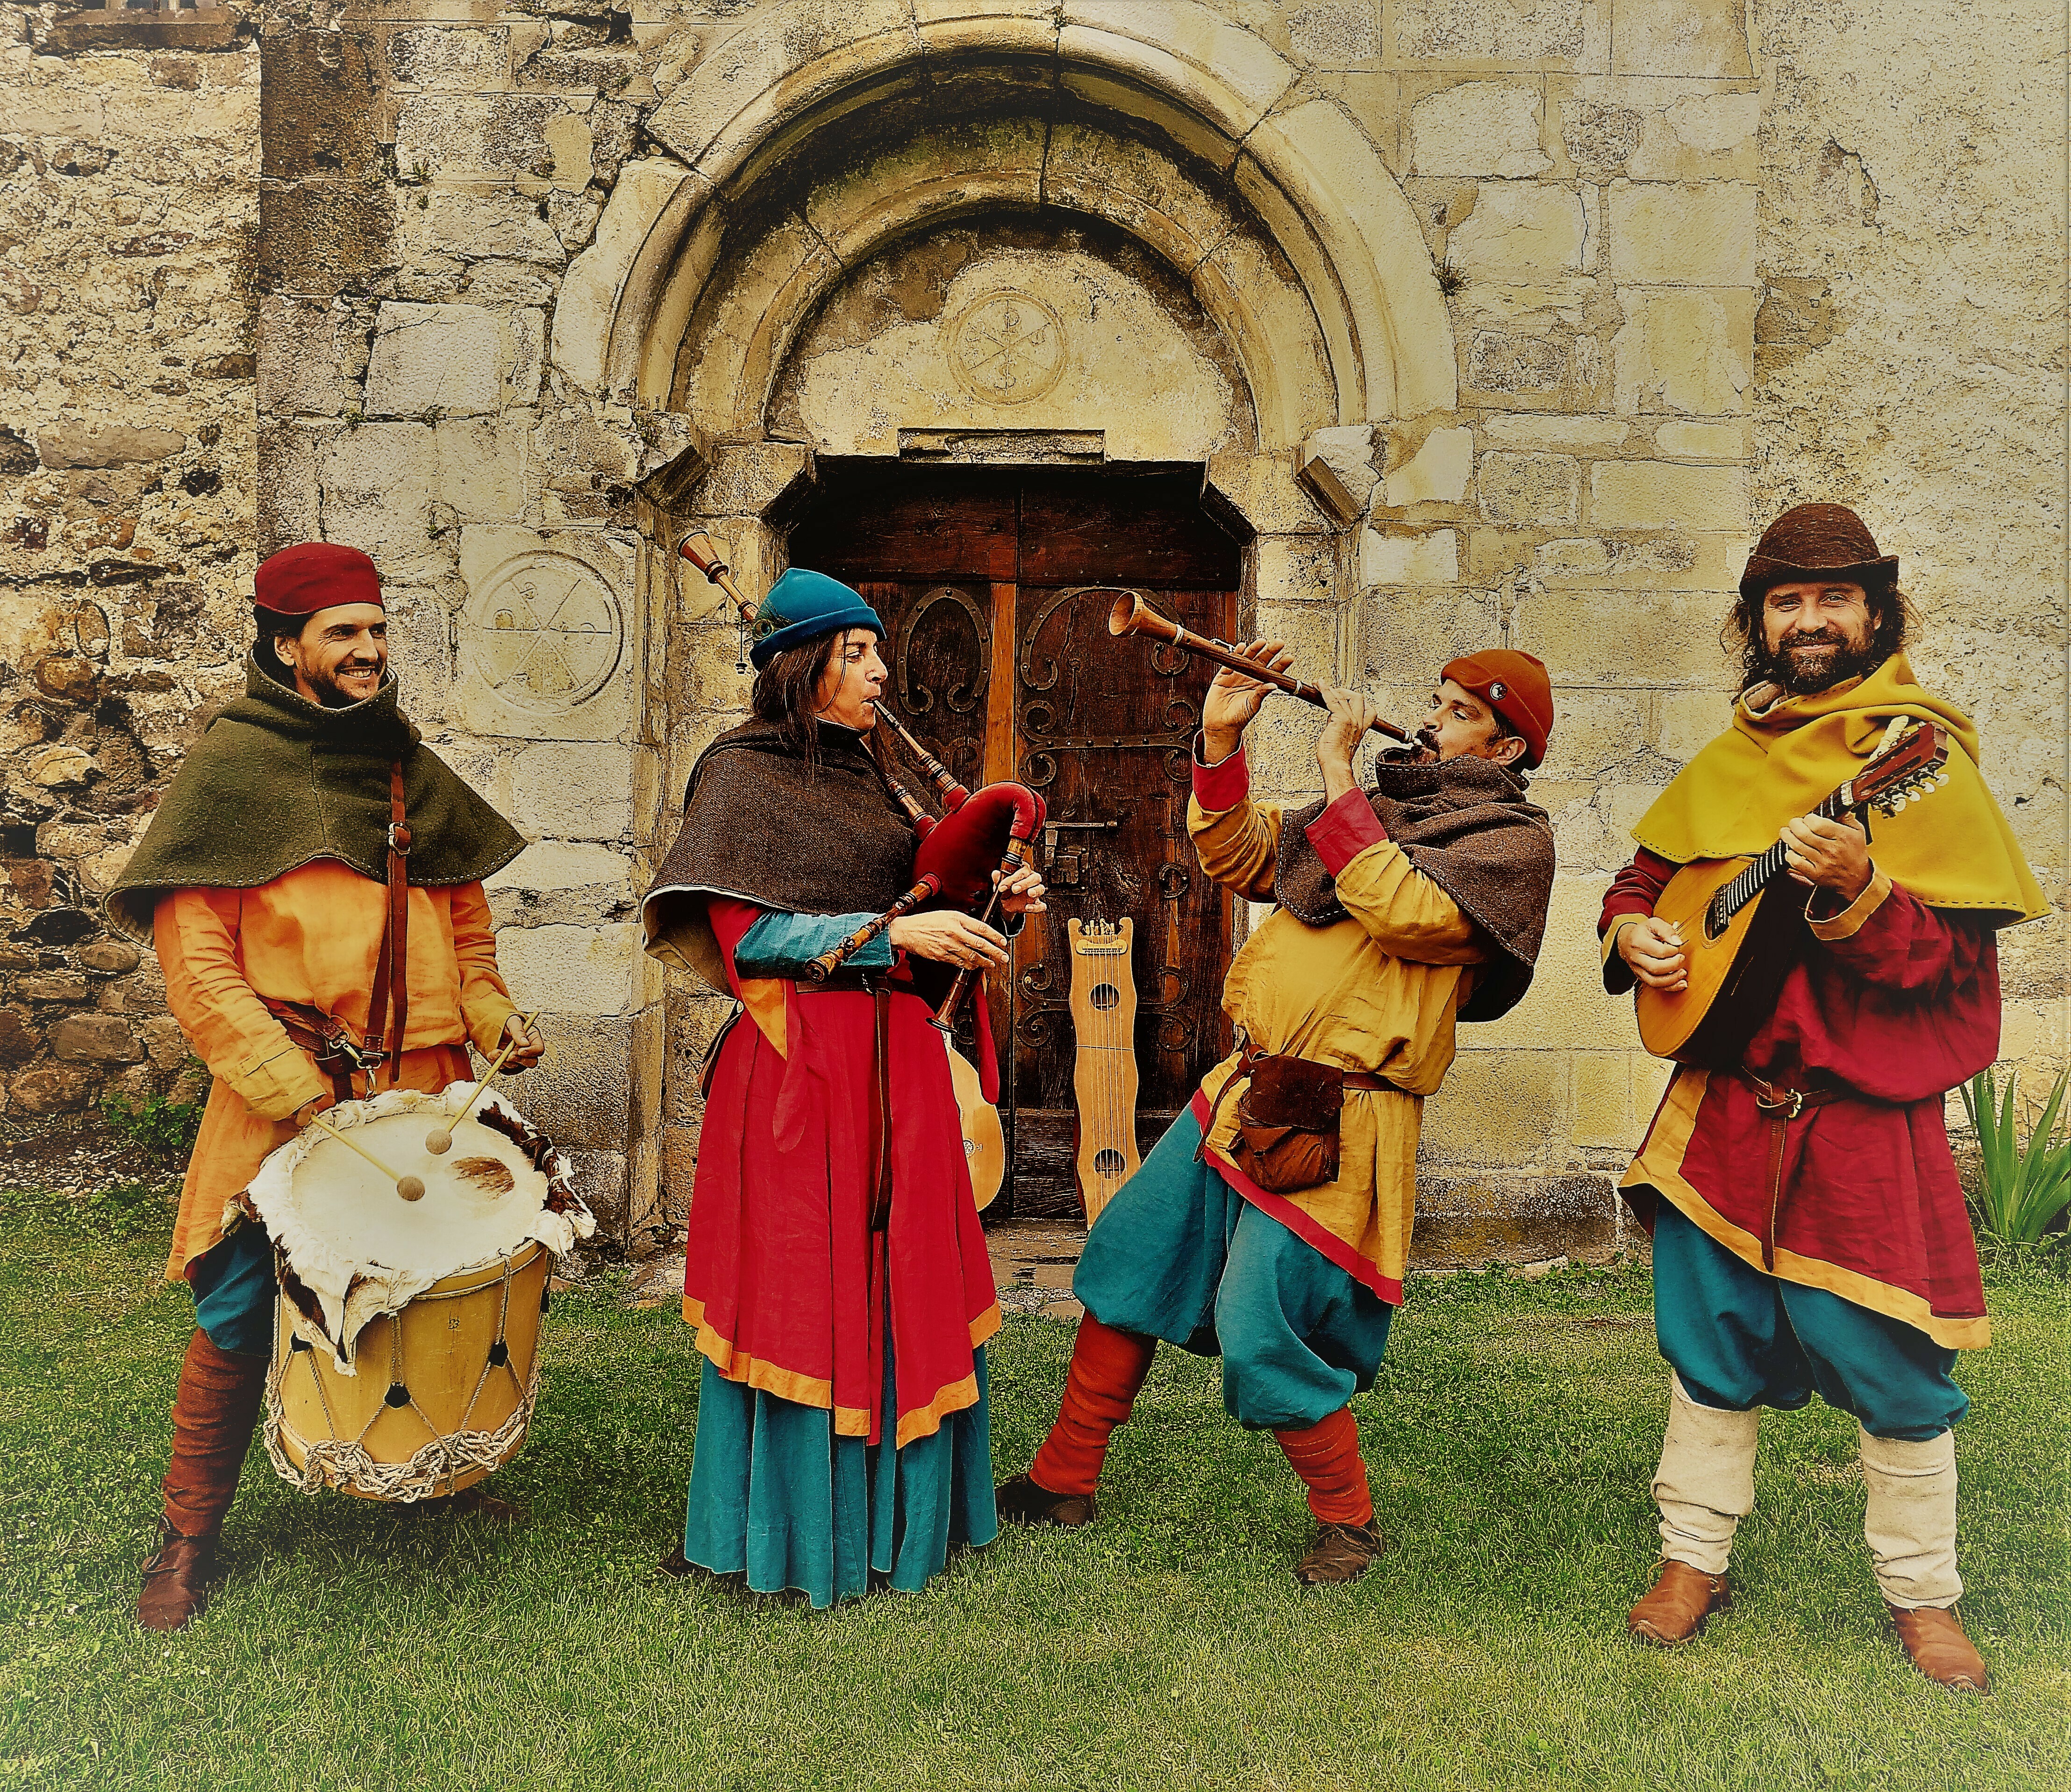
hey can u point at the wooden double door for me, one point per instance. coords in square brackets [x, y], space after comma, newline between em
[1005, 667]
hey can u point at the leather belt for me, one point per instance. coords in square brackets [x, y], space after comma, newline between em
[1250, 1055]
[1781, 1106]
[879, 986]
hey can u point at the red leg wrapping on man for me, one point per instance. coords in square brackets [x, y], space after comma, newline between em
[1326, 1457]
[1108, 1368]
[214, 1416]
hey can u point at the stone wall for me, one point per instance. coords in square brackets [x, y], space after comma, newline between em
[1506, 323]
[128, 162]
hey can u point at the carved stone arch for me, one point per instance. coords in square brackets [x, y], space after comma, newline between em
[1328, 203]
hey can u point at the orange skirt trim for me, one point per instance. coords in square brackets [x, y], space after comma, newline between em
[1658, 1167]
[805, 1390]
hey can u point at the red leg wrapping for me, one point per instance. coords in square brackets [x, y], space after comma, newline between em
[214, 1416]
[1326, 1457]
[1108, 1368]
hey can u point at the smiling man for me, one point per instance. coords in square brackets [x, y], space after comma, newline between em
[1271, 1223]
[308, 840]
[1809, 1232]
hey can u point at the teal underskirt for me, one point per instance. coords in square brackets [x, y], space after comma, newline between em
[775, 1495]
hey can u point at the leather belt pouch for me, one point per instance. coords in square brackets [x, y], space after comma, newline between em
[1287, 1124]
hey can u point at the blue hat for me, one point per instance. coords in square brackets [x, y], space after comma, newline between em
[801, 606]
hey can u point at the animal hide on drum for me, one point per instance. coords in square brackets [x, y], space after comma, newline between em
[355, 1249]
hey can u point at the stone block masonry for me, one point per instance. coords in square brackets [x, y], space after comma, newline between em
[1495, 321]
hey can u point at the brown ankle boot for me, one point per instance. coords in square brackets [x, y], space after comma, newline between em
[1020, 1501]
[1934, 1638]
[214, 1413]
[1340, 1552]
[1675, 1610]
[178, 1577]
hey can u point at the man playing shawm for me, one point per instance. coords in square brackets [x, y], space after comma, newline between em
[1809, 1232]
[1271, 1223]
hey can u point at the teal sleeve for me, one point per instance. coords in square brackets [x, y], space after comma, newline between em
[781, 945]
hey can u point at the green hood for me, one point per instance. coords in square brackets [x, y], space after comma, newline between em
[277, 780]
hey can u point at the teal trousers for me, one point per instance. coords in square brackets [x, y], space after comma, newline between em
[1179, 1254]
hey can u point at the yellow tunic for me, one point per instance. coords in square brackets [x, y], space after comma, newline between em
[311, 936]
[1375, 992]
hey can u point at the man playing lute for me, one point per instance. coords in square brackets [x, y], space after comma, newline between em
[1809, 1230]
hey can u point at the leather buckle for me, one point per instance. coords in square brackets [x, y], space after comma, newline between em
[399, 838]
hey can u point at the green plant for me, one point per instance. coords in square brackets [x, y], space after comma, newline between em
[163, 1128]
[2021, 1186]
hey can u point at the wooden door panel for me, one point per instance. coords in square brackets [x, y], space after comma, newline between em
[1146, 530]
[1002, 672]
[1105, 729]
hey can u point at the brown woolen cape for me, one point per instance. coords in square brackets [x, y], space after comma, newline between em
[1466, 825]
[765, 824]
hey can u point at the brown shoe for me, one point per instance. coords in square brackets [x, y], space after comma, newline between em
[177, 1582]
[1021, 1502]
[1933, 1637]
[1675, 1610]
[1341, 1553]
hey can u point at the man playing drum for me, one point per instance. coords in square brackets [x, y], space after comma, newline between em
[312, 883]
[1271, 1223]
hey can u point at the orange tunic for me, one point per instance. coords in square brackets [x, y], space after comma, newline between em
[311, 936]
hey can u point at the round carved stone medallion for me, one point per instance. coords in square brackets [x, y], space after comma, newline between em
[1006, 347]
[546, 630]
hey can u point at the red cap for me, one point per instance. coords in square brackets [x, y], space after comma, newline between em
[314, 576]
[1516, 686]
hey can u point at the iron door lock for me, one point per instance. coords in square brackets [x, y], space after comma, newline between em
[1065, 868]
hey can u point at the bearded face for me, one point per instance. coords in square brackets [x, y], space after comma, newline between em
[1815, 636]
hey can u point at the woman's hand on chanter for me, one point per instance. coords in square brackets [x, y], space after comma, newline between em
[1022, 892]
[949, 936]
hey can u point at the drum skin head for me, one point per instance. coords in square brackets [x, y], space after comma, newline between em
[362, 1251]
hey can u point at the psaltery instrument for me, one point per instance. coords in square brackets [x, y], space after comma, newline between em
[1738, 949]
[1104, 1077]
[1132, 614]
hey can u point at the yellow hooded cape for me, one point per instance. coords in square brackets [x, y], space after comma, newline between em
[1952, 849]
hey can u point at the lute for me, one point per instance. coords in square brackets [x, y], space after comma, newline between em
[1738, 921]
[1104, 1077]
[984, 1139]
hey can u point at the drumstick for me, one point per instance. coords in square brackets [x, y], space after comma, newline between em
[439, 1141]
[411, 1188]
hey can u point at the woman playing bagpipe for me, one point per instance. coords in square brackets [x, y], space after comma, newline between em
[836, 1269]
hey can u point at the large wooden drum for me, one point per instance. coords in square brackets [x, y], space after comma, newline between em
[406, 1335]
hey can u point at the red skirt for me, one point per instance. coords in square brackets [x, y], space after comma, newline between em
[789, 1288]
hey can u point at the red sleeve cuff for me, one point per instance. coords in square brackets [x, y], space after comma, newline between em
[1344, 830]
[1223, 786]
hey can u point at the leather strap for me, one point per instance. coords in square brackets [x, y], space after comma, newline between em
[325, 1038]
[1248, 1057]
[1781, 1106]
[392, 969]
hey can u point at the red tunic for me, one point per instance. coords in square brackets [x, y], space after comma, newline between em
[1899, 1004]
[788, 1286]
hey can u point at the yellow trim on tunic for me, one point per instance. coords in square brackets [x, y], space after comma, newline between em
[1659, 1167]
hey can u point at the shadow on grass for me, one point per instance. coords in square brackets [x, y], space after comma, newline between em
[1511, 1440]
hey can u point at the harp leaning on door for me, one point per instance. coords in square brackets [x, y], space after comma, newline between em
[1104, 1074]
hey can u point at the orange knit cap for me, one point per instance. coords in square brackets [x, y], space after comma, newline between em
[1516, 686]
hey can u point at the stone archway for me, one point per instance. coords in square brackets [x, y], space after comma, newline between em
[804, 150]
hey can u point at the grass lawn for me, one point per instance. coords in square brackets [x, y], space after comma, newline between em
[1510, 1438]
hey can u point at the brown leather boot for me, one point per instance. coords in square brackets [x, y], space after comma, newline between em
[1675, 1610]
[214, 1413]
[1934, 1638]
[1021, 1502]
[1341, 1553]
